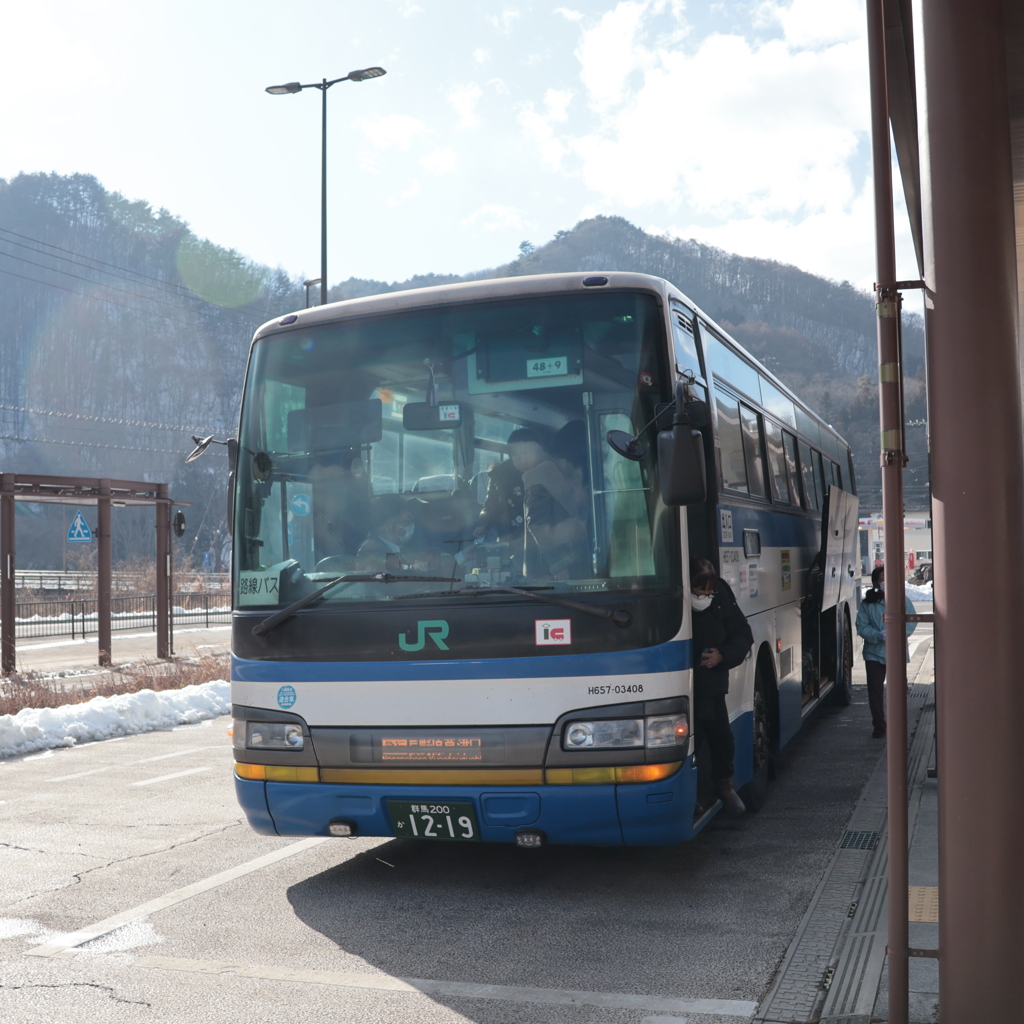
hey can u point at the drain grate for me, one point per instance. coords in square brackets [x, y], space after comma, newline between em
[854, 840]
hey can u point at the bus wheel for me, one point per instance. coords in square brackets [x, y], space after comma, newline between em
[755, 792]
[843, 690]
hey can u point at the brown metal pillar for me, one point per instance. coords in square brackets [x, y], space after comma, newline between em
[103, 573]
[890, 377]
[163, 574]
[978, 517]
[8, 609]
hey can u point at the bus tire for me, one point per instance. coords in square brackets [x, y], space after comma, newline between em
[755, 792]
[842, 693]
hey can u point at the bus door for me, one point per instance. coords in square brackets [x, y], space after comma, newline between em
[837, 577]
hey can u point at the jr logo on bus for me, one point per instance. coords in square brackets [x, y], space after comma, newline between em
[436, 629]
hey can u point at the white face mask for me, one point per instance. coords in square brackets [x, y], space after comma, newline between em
[701, 602]
[405, 532]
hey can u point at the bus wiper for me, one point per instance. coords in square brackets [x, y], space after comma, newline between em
[360, 577]
[619, 616]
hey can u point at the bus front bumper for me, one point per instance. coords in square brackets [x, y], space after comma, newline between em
[630, 814]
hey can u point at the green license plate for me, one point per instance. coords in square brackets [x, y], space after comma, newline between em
[449, 822]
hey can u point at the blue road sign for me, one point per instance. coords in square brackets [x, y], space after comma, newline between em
[78, 531]
[301, 505]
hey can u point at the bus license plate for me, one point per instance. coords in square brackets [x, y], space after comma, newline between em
[450, 822]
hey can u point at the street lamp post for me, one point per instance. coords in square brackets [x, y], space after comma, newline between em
[290, 87]
[309, 284]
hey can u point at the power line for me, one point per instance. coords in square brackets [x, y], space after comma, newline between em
[113, 302]
[123, 291]
[100, 419]
[170, 287]
[89, 444]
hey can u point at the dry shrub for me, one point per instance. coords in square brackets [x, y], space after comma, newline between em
[32, 690]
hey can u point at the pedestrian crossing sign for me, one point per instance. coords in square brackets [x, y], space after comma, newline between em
[79, 532]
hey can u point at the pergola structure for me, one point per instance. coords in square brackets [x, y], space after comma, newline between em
[103, 493]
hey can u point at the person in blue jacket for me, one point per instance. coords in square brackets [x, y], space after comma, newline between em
[871, 626]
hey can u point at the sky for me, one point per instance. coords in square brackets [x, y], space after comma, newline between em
[741, 124]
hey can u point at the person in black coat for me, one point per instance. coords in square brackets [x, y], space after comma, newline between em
[721, 641]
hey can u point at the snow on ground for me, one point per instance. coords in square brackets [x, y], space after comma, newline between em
[104, 717]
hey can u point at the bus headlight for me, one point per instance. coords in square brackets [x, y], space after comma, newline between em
[273, 736]
[619, 734]
[667, 730]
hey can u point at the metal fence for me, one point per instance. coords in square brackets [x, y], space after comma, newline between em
[77, 617]
[70, 580]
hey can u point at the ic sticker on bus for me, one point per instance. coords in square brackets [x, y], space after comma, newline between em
[553, 632]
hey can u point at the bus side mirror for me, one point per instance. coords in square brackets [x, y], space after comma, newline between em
[681, 460]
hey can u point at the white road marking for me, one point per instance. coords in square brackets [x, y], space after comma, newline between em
[460, 989]
[176, 775]
[128, 764]
[63, 945]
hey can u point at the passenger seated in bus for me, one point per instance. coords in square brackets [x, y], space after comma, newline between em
[444, 521]
[392, 529]
[502, 510]
[721, 640]
[341, 499]
[555, 513]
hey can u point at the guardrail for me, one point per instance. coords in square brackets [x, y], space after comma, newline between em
[79, 617]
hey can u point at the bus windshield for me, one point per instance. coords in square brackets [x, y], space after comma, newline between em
[463, 442]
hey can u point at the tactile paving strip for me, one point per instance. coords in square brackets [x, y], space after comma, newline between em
[923, 903]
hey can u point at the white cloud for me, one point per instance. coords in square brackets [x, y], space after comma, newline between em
[813, 23]
[409, 9]
[492, 217]
[569, 14]
[503, 22]
[440, 161]
[498, 85]
[610, 52]
[391, 131]
[406, 194]
[464, 99]
[481, 56]
[746, 136]
[540, 126]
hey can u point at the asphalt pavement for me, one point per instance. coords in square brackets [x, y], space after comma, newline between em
[188, 915]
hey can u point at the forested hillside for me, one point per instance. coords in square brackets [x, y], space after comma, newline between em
[124, 333]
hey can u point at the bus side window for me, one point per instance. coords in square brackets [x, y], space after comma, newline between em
[752, 451]
[851, 479]
[777, 462]
[794, 475]
[730, 439]
[820, 483]
[807, 473]
[685, 345]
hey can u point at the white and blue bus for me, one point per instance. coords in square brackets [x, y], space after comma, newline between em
[430, 643]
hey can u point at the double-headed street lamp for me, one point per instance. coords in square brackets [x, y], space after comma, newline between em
[323, 86]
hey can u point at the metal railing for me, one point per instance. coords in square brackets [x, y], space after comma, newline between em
[69, 580]
[78, 617]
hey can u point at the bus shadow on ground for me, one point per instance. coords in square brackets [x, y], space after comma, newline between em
[596, 919]
[711, 918]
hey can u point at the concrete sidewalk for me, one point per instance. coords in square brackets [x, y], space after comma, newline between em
[835, 968]
[62, 654]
